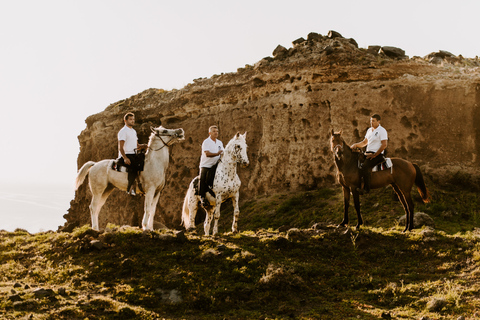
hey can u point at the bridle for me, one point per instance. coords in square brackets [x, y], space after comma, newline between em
[338, 149]
[167, 144]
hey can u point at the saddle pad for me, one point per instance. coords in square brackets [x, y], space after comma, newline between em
[387, 164]
[115, 167]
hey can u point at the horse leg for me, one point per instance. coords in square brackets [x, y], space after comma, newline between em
[218, 204]
[192, 208]
[153, 208]
[346, 204]
[236, 212]
[208, 220]
[401, 196]
[356, 203]
[408, 198]
[148, 208]
[98, 200]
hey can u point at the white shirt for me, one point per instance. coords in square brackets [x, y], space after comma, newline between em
[212, 146]
[375, 138]
[129, 135]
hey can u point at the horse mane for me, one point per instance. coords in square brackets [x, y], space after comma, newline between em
[232, 141]
[152, 136]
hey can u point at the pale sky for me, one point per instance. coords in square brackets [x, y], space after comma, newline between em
[63, 60]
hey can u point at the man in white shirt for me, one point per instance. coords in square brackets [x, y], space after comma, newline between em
[376, 140]
[212, 148]
[127, 145]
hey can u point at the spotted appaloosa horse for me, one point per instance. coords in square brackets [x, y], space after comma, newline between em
[103, 179]
[402, 176]
[226, 185]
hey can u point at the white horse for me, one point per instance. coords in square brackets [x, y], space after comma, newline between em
[226, 185]
[103, 179]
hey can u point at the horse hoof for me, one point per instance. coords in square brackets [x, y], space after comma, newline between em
[342, 225]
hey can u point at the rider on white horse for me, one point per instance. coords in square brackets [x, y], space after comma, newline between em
[212, 148]
[127, 144]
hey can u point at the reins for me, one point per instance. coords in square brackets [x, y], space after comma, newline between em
[168, 144]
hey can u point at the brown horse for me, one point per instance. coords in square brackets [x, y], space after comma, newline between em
[402, 176]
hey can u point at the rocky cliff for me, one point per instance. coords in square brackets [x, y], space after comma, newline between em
[288, 104]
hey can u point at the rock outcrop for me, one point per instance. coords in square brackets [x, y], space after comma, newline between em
[289, 104]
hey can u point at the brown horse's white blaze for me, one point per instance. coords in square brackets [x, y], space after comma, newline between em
[226, 185]
[402, 176]
[103, 179]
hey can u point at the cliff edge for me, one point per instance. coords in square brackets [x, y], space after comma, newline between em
[288, 104]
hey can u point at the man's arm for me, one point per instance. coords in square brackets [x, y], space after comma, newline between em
[141, 146]
[121, 144]
[379, 151]
[360, 144]
[210, 154]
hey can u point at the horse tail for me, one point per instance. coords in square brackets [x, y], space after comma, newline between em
[82, 173]
[420, 183]
[185, 209]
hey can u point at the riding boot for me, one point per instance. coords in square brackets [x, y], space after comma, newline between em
[367, 178]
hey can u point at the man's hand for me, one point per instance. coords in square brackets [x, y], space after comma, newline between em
[127, 161]
[371, 156]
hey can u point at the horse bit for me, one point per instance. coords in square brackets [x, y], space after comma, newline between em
[168, 144]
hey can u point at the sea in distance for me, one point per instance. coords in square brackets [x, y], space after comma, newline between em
[35, 208]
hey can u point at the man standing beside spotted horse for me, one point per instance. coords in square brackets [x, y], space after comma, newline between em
[376, 141]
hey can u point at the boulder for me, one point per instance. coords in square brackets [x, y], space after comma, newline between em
[279, 51]
[298, 41]
[352, 41]
[393, 52]
[334, 34]
[440, 54]
[313, 36]
[374, 49]
[436, 304]
[420, 219]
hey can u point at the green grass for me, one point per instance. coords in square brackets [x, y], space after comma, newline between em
[267, 271]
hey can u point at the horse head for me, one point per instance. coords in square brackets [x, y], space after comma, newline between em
[238, 149]
[167, 136]
[337, 144]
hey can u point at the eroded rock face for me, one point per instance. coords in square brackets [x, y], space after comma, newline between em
[288, 105]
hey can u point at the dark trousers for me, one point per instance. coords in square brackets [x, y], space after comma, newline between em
[207, 175]
[136, 165]
[366, 171]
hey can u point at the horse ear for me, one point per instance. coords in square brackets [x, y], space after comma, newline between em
[237, 135]
[340, 133]
[245, 135]
[152, 128]
[333, 132]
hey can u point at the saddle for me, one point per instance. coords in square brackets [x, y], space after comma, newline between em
[119, 165]
[387, 164]
[209, 181]
[384, 165]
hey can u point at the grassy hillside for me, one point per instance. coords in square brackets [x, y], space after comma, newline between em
[288, 261]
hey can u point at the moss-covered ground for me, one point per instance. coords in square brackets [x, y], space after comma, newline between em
[289, 261]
